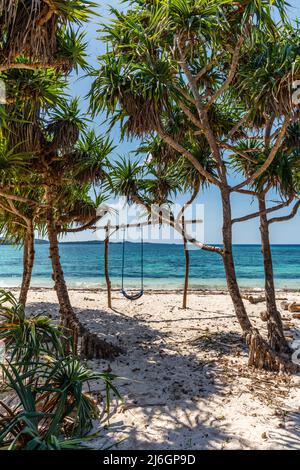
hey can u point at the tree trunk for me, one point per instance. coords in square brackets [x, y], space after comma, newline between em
[261, 355]
[106, 269]
[91, 345]
[66, 309]
[187, 268]
[229, 266]
[274, 323]
[28, 261]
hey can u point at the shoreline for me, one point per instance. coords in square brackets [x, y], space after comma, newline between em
[196, 290]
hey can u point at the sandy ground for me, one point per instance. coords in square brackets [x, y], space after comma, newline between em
[186, 384]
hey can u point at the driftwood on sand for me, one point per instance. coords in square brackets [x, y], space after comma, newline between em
[254, 300]
[290, 306]
[257, 300]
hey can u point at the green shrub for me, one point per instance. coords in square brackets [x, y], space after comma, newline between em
[51, 407]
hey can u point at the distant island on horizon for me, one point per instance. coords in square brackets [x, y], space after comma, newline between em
[39, 241]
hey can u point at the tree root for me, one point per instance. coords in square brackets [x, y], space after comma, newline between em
[94, 347]
[262, 356]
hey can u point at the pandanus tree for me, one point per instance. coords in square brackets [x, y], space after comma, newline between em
[69, 164]
[39, 49]
[64, 163]
[195, 55]
[281, 179]
[36, 34]
[28, 94]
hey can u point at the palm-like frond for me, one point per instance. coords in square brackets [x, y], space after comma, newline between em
[65, 124]
[39, 87]
[162, 182]
[160, 155]
[26, 338]
[52, 405]
[125, 178]
[141, 89]
[267, 70]
[29, 93]
[71, 49]
[11, 161]
[280, 173]
[90, 156]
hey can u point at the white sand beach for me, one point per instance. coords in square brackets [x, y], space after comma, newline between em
[185, 380]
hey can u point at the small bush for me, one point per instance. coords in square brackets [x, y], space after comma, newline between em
[51, 408]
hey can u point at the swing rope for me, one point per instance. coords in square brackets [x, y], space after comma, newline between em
[139, 294]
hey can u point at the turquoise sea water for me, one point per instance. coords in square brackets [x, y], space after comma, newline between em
[163, 266]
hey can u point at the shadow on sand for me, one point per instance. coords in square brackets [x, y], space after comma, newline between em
[173, 398]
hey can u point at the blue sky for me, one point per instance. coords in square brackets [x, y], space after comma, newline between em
[245, 233]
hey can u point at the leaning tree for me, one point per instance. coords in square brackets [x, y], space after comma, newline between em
[62, 162]
[40, 44]
[195, 55]
[69, 166]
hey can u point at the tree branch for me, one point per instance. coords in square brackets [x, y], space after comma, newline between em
[189, 202]
[185, 95]
[248, 192]
[88, 225]
[232, 71]
[207, 67]
[286, 217]
[32, 66]
[243, 154]
[267, 211]
[13, 197]
[191, 80]
[176, 146]
[202, 112]
[239, 124]
[191, 116]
